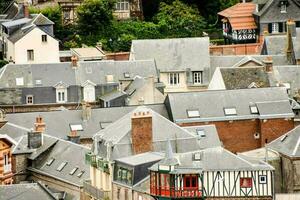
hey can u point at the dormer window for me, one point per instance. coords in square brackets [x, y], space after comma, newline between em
[89, 91]
[61, 92]
[283, 6]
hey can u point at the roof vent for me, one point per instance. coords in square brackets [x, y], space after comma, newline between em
[197, 156]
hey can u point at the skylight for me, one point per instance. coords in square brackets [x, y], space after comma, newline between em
[50, 161]
[73, 171]
[253, 109]
[61, 166]
[80, 174]
[19, 81]
[38, 82]
[230, 111]
[126, 75]
[76, 127]
[201, 132]
[197, 156]
[193, 113]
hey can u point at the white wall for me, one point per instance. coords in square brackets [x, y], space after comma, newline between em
[44, 52]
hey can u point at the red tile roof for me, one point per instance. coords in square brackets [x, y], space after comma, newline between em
[240, 16]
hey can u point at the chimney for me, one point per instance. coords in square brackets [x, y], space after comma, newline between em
[86, 111]
[291, 32]
[2, 118]
[74, 137]
[35, 137]
[141, 132]
[74, 60]
[26, 10]
[268, 64]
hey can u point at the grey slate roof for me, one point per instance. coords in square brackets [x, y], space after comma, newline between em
[173, 54]
[95, 71]
[61, 151]
[211, 104]
[32, 191]
[288, 144]
[212, 159]
[58, 122]
[240, 78]
[288, 74]
[118, 134]
[275, 44]
[231, 61]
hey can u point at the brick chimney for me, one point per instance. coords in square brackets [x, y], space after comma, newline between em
[74, 137]
[35, 136]
[74, 61]
[26, 9]
[86, 111]
[141, 132]
[268, 64]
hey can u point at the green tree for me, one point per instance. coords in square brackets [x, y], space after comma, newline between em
[95, 16]
[179, 20]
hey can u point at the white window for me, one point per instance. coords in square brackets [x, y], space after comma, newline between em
[173, 78]
[197, 156]
[106, 104]
[109, 78]
[29, 99]
[76, 127]
[30, 55]
[122, 5]
[80, 174]
[50, 161]
[193, 113]
[19, 81]
[73, 171]
[61, 166]
[61, 95]
[7, 165]
[89, 93]
[262, 179]
[275, 27]
[44, 38]
[198, 77]
[230, 111]
[283, 7]
[253, 109]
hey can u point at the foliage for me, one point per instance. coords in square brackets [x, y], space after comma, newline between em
[95, 16]
[3, 63]
[179, 20]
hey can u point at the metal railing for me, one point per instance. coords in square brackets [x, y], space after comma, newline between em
[93, 191]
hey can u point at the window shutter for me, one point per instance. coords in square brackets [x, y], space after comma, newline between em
[280, 27]
[270, 27]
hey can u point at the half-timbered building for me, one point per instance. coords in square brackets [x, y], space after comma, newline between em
[239, 24]
[211, 173]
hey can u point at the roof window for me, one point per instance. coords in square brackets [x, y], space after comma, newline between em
[253, 109]
[38, 82]
[230, 111]
[126, 75]
[61, 166]
[80, 174]
[197, 156]
[200, 133]
[50, 161]
[193, 113]
[73, 171]
[76, 127]
[19, 81]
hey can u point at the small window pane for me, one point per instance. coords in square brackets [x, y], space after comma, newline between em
[230, 111]
[61, 166]
[50, 161]
[73, 171]
[253, 110]
[76, 127]
[80, 174]
[193, 113]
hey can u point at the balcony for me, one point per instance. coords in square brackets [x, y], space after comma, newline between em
[93, 191]
[97, 162]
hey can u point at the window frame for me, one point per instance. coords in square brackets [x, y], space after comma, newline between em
[61, 95]
[198, 77]
[283, 7]
[27, 99]
[231, 109]
[262, 182]
[20, 81]
[122, 5]
[275, 27]
[30, 55]
[192, 113]
[251, 107]
[174, 78]
[44, 38]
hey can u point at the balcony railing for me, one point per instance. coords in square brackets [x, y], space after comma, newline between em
[93, 191]
[176, 193]
[97, 162]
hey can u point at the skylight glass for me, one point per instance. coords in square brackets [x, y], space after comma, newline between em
[253, 109]
[80, 174]
[193, 113]
[201, 132]
[73, 171]
[230, 111]
[61, 166]
[50, 161]
[76, 127]
[126, 75]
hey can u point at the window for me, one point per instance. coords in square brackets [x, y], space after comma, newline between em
[67, 14]
[173, 78]
[230, 111]
[197, 156]
[89, 93]
[19, 81]
[190, 181]
[38, 82]
[283, 7]
[73, 171]
[50, 161]
[61, 166]
[30, 55]
[262, 179]
[253, 109]
[122, 5]
[198, 77]
[245, 182]
[126, 75]
[44, 38]
[29, 99]
[61, 95]
[275, 27]
[193, 113]
[76, 127]
[201, 132]
[80, 174]
[6, 159]
[7, 166]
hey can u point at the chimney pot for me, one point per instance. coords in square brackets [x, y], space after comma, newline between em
[74, 60]
[39, 125]
[268, 64]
